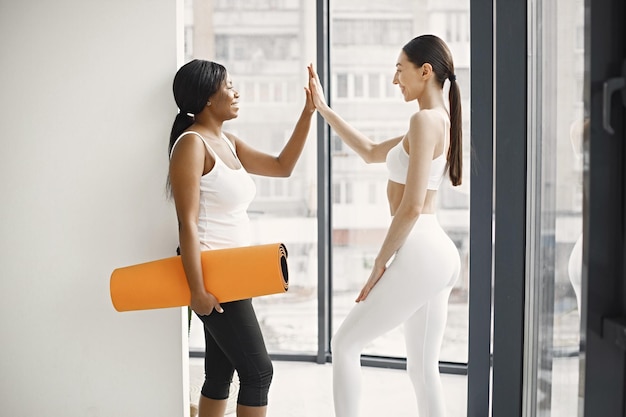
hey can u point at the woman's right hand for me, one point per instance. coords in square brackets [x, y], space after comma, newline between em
[203, 303]
[315, 87]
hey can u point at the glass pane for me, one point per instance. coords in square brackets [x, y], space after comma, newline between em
[266, 46]
[365, 43]
[555, 166]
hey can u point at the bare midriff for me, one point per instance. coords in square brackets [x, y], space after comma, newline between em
[395, 191]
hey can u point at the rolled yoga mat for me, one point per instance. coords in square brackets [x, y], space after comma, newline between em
[229, 274]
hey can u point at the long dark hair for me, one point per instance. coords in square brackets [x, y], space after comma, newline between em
[194, 83]
[431, 49]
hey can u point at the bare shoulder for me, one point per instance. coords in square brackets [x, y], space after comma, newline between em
[426, 118]
[188, 142]
[425, 126]
[188, 155]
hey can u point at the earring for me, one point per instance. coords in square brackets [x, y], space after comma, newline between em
[208, 103]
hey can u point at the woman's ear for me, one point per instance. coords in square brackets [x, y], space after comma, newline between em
[427, 71]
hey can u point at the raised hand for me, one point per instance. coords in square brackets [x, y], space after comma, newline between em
[316, 90]
[309, 106]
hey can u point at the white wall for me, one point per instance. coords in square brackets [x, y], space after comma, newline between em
[85, 112]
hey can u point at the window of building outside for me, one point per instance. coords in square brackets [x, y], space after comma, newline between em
[365, 42]
[558, 125]
[266, 45]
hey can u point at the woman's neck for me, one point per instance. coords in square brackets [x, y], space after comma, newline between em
[431, 100]
[208, 126]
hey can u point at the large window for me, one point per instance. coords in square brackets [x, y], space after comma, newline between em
[365, 44]
[266, 46]
[370, 30]
[555, 173]
[266, 58]
[261, 48]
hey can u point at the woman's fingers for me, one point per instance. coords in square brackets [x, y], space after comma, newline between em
[312, 73]
[204, 304]
[313, 77]
[363, 295]
[375, 276]
[309, 103]
[317, 92]
[215, 304]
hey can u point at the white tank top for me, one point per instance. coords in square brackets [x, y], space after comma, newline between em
[225, 195]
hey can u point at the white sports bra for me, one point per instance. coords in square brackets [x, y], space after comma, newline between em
[398, 165]
[225, 194]
[397, 162]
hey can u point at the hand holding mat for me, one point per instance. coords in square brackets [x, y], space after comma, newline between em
[229, 274]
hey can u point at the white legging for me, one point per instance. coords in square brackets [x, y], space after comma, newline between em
[414, 290]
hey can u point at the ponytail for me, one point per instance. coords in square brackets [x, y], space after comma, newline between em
[455, 151]
[181, 123]
[431, 49]
[194, 83]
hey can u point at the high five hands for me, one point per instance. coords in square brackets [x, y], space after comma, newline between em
[316, 90]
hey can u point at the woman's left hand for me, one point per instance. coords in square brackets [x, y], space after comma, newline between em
[309, 106]
[375, 275]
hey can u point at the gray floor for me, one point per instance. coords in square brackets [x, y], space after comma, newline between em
[303, 389]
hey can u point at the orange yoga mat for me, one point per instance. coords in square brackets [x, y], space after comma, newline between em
[229, 274]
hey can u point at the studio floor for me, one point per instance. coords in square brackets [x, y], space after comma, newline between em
[304, 389]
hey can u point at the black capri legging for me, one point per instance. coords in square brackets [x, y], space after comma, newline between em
[234, 342]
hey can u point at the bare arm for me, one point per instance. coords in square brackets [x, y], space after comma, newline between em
[424, 133]
[186, 167]
[260, 163]
[423, 136]
[367, 149]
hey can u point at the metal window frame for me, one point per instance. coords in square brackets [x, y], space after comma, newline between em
[481, 207]
[510, 259]
[603, 318]
[324, 211]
